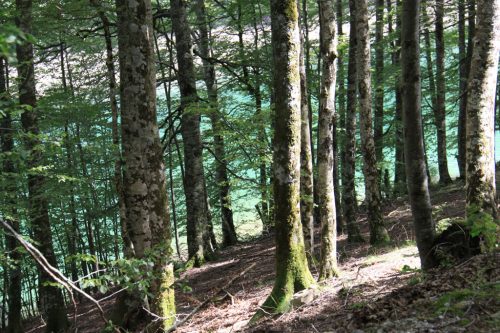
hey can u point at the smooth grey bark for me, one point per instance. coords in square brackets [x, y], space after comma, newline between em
[349, 167]
[378, 232]
[306, 162]
[292, 273]
[51, 298]
[145, 190]
[418, 183]
[221, 177]
[480, 137]
[326, 193]
[194, 181]
[440, 107]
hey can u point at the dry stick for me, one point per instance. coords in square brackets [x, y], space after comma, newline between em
[208, 300]
[52, 271]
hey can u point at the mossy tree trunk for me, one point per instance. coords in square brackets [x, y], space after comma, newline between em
[51, 298]
[480, 138]
[418, 182]
[221, 176]
[378, 232]
[194, 181]
[349, 167]
[306, 163]
[326, 193]
[144, 173]
[13, 272]
[292, 273]
[440, 109]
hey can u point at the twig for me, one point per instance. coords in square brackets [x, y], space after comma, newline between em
[208, 300]
[54, 272]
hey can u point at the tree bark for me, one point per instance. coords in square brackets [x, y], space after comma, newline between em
[326, 193]
[418, 185]
[221, 176]
[440, 110]
[145, 190]
[378, 233]
[480, 166]
[306, 163]
[292, 273]
[194, 181]
[51, 298]
[349, 168]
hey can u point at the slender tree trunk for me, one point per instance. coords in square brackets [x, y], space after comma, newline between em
[430, 74]
[13, 270]
[378, 233]
[339, 139]
[462, 57]
[292, 273]
[144, 175]
[51, 298]
[326, 193]
[418, 185]
[480, 166]
[115, 127]
[440, 110]
[72, 228]
[349, 167]
[378, 128]
[221, 176]
[194, 181]
[306, 165]
[399, 165]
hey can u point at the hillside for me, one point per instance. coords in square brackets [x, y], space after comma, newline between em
[379, 290]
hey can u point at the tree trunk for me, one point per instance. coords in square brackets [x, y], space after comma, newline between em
[378, 128]
[306, 165]
[440, 110]
[292, 273]
[194, 181]
[326, 193]
[339, 154]
[418, 188]
[13, 270]
[378, 233]
[51, 298]
[221, 176]
[399, 165]
[480, 180]
[144, 175]
[349, 167]
[462, 58]
[115, 127]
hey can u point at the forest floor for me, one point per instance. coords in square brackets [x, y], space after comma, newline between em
[379, 290]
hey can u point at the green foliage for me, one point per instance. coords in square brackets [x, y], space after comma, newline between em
[483, 225]
[458, 301]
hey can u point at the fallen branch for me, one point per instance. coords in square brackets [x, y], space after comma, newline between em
[54, 272]
[210, 299]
